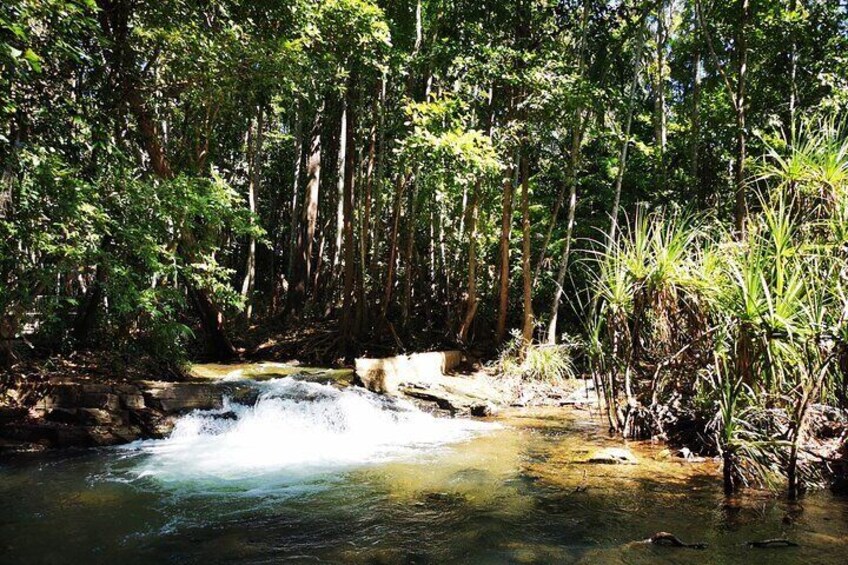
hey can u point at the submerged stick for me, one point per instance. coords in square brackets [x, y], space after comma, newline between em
[777, 542]
[671, 540]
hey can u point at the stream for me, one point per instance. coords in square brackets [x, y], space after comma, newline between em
[312, 472]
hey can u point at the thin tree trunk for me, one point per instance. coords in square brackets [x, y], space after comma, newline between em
[365, 223]
[431, 260]
[503, 276]
[694, 170]
[527, 276]
[741, 211]
[574, 161]
[337, 254]
[408, 254]
[659, 92]
[254, 147]
[295, 205]
[393, 248]
[376, 234]
[471, 298]
[348, 330]
[628, 122]
[793, 72]
[569, 231]
[737, 97]
[473, 210]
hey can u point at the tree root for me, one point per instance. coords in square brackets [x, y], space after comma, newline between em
[670, 540]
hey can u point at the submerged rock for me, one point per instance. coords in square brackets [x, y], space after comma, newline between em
[613, 456]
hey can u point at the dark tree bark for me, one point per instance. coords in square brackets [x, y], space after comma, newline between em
[309, 220]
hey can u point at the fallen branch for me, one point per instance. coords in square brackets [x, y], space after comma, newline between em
[776, 542]
[670, 540]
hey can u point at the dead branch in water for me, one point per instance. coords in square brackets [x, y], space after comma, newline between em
[670, 540]
[776, 542]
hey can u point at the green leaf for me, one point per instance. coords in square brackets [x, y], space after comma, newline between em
[33, 59]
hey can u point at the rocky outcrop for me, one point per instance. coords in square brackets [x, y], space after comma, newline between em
[74, 414]
[387, 375]
[424, 378]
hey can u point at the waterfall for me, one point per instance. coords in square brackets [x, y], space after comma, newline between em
[297, 428]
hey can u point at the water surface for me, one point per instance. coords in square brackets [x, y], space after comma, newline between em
[311, 473]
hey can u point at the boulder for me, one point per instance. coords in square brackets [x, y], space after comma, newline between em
[388, 374]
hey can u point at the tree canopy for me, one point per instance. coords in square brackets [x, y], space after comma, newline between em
[413, 173]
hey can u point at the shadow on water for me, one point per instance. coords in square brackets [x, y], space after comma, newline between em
[515, 493]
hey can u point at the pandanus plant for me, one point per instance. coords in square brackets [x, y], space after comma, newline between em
[755, 326]
[645, 290]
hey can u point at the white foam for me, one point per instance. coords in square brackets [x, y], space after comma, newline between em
[297, 428]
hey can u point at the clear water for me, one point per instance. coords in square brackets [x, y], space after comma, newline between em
[310, 473]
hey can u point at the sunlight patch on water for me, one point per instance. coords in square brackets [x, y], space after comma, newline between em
[294, 429]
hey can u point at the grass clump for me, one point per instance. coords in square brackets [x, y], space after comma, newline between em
[551, 364]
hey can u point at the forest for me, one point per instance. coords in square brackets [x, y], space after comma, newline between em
[650, 194]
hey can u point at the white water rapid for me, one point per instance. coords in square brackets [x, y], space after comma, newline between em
[297, 428]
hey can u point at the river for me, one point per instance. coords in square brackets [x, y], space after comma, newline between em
[309, 472]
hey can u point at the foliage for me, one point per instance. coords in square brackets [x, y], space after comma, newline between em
[549, 364]
[759, 318]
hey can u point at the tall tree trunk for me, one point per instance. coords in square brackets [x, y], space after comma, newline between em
[376, 233]
[628, 122]
[526, 272]
[393, 248]
[659, 92]
[578, 127]
[471, 297]
[254, 147]
[341, 163]
[737, 96]
[503, 265]
[793, 71]
[348, 330]
[365, 221]
[309, 219]
[473, 211]
[574, 163]
[741, 210]
[569, 185]
[295, 204]
[694, 171]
